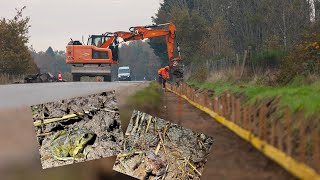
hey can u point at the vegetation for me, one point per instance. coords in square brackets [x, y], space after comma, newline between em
[215, 29]
[51, 61]
[296, 95]
[15, 58]
[148, 99]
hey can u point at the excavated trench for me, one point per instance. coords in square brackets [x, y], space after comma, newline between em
[231, 157]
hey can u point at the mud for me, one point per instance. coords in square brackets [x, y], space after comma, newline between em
[96, 115]
[157, 149]
[231, 157]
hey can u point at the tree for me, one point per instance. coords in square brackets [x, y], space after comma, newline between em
[51, 61]
[15, 57]
[50, 52]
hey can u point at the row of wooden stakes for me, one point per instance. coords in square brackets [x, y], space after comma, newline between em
[291, 133]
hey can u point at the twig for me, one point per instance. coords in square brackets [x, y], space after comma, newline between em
[193, 167]
[124, 166]
[129, 154]
[180, 168]
[149, 121]
[158, 148]
[165, 131]
[161, 140]
[47, 121]
[44, 134]
[136, 123]
[165, 174]
[141, 121]
[108, 110]
[154, 126]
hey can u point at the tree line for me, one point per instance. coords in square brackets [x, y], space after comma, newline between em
[52, 61]
[213, 29]
[141, 59]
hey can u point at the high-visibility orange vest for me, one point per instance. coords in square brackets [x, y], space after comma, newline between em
[164, 73]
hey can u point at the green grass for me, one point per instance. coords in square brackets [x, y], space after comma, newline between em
[148, 97]
[297, 96]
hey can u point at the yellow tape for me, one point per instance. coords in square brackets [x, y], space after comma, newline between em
[296, 168]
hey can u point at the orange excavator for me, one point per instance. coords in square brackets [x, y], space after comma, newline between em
[101, 51]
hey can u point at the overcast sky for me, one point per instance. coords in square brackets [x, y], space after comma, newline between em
[54, 22]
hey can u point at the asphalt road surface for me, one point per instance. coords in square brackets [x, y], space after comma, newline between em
[36, 93]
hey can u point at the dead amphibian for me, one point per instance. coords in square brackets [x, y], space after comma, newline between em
[69, 145]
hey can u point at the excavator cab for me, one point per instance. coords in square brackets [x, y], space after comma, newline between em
[96, 40]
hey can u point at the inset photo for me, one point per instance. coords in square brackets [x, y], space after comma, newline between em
[78, 129]
[158, 149]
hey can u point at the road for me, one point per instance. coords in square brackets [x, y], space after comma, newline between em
[15, 95]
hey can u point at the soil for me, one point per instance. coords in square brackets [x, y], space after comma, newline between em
[231, 157]
[158, 149]
[97, 119]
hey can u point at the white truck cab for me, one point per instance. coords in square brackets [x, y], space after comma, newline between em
[124, 73]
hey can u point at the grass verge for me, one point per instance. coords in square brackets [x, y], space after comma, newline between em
[147, 99]
[297, 96]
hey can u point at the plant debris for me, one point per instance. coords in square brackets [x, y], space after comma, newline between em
[158, 149]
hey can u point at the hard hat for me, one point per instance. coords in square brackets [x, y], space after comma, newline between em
[167, 67]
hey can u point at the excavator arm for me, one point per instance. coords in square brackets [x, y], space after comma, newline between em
[143, 32]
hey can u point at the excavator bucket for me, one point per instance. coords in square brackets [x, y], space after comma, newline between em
[177, 72]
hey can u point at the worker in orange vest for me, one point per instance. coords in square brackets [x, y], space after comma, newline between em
[163, 76]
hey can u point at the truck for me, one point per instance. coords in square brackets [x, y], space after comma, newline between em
[101, 51]
[124, 73]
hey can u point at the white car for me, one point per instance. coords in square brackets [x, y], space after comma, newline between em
[124, 73]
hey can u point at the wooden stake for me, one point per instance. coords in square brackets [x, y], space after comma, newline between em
[245, 115]
[256, 122]
[260, 122]
[238, 113]
[302, 144]
[249, 119]
[188, 91]
[316, 149]
[273, 129]
[228, 107]
[233, 109]
[264, 122]
[193, 92]
[216, 107]
[288, 128]
[279, 136]
[224, 105]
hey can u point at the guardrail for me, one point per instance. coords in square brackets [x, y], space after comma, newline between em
[290, 140]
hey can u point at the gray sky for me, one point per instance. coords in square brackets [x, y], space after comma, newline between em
[54, 22]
